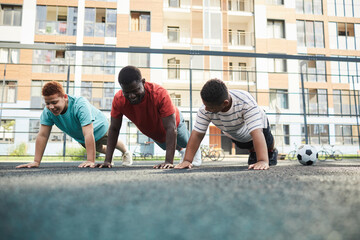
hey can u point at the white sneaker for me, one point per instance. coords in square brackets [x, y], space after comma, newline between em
[127, 159]
[182, 155]
[197, 159]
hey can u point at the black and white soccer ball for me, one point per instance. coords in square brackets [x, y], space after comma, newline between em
[307, 155]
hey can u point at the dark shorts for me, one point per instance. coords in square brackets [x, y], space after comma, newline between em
[249, 145]
[99, 143]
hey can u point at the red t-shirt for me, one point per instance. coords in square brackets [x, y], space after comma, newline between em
[148, 114]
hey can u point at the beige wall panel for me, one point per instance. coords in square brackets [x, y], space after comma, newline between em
[276, 46]
[12, 1]
[197, 2]
[26, 56]
[141, 39]
[278, 80]
[280, 12]
[197, 24]
[51, 76]
[97, 78]
[95, 4]
[263, 98]
[58, 2]
[94, 40]
[55, 38]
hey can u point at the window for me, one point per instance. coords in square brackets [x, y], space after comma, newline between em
[238, 73]
[10, 15]
[310, 34]
[281, 133]
[139, 59]
[176, 99]
[56, 20]
[344, 102]
[344, 8]
[275, 28]
[98, 63]
[174, 3]
[317, 133]
[279, 99]
[140, 21]
[8, 55]
[56, 134]
[173, 34]
[7, 131]
[314, 71]
[173, 68]
[10, 92]
[309, 6]
[99, 94]
[100, 22]
[343, 134]
[52, 61]
[275, 2]
[316, 101]
[36, 96]
[236, 5]
[277, 65]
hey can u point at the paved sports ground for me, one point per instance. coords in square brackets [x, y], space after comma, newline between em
[220, 200]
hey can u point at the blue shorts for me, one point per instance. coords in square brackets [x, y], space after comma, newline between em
[183, 135]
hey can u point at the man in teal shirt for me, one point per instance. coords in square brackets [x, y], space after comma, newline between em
[77, 118]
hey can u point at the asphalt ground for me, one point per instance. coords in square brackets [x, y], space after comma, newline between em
[219, 200]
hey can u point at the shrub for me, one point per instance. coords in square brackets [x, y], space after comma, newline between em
[19, 150]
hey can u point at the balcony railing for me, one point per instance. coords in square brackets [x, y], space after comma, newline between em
[55, 28]
[241, 6]
[242, 74]
[240, 38]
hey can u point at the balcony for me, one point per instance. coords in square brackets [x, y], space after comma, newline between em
[241, 40]
[177, 37]
[236, 7]
[55, 28]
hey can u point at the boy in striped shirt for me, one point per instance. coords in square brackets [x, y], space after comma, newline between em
[238, 116]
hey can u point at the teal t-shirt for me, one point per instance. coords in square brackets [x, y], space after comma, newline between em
[79, 113]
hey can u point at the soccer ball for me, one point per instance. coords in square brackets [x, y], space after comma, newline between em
[307, 155]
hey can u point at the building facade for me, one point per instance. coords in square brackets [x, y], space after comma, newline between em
[298, 27]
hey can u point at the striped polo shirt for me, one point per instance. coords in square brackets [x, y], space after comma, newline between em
[243, 117]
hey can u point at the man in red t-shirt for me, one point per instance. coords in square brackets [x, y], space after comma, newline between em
[150, 108]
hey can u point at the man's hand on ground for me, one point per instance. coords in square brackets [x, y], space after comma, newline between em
[29, 165]
[104, 165]
[165, 165]
[184, 164]
[87, 164]
[260, 165]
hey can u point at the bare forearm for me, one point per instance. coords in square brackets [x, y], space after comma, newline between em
[40, 145]
[260, 145]
[90, 147]
[193, 145]
[170, 145]
[111, 143]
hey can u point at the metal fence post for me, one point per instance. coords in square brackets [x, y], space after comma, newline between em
[356, 112]
[303, 99]
[67, 92]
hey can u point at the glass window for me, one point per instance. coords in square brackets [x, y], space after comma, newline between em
[279, 99]
[139, 59]
[8, 92]
[275, 29]
[310, 34]
[173, 68]
[174, 3]
[173, 34]
[8, 55]
[100, 22]
[99, 94]
[309, 29]
[140, 21]
[10, 15]
[7, 131]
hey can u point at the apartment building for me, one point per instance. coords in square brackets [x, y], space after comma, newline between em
[298, 27]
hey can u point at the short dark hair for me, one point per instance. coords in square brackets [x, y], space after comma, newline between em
[214, 91]
[52, 88]
[129, 74]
